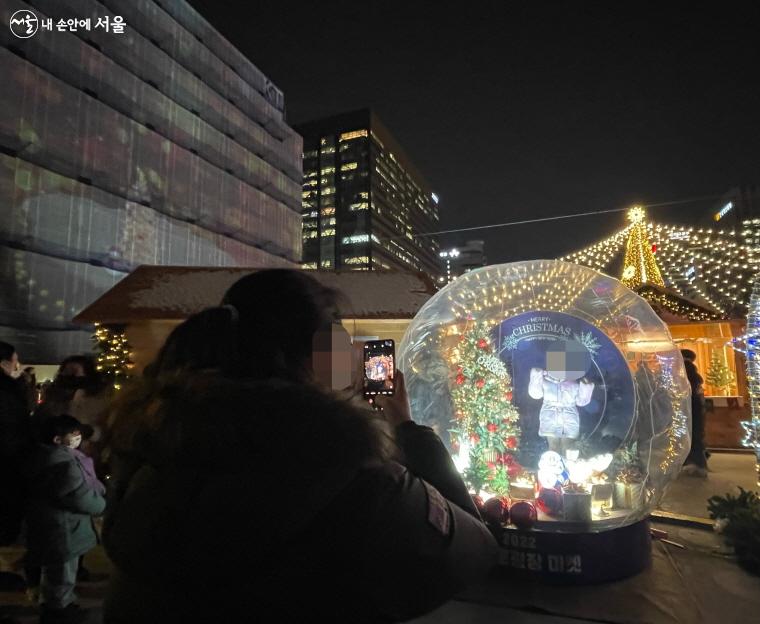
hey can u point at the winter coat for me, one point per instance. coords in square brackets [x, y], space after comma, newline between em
[60, 507]
[271, 501]
[15, 444]
[559, 417]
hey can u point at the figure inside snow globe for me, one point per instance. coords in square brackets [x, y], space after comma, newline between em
[563, 388]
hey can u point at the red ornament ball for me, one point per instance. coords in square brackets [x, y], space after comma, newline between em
[512, 442]
[474, 438]
[508, 396]
[654, 248]
[550, 501]
[480, 383]
[482, 343]
[460, 380]
[492, 427]
[523, 514]
[496, 511]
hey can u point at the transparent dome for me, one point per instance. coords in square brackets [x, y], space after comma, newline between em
[553, 383]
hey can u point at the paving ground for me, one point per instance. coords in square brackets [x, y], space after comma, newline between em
[697, 584]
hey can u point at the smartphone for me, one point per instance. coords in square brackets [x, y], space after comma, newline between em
[379, 367]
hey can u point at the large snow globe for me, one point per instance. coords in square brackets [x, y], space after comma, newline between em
[565, 405]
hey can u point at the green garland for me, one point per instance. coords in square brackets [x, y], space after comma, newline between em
[740, 516]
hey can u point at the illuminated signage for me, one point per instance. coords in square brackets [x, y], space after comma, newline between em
[723, 211]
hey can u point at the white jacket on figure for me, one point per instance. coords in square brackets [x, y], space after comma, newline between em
[559, 416]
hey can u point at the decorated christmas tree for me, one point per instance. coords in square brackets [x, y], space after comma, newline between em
[486, 431]
[718, 374]
[112, 355]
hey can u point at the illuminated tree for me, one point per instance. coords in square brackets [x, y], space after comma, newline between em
[112, 355]
[639, 266]
[486, 432]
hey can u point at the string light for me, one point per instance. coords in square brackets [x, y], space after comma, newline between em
[752, 342]
[113, 355]
[678, 432]
[704, 265]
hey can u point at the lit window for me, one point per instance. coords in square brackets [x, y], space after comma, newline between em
[359, 206]
[327, 170]
[356, 260]
[364, 195]
[326, 212]
[309, 234]
[329, 232]
[328, 190]
[349, 166]
[356, 134]
[326, 264]
[356, 239]
[309, 265]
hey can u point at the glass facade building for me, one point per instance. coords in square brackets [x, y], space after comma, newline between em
[364, 202]
[162, 144]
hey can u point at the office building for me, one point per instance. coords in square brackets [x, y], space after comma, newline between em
[365, 204]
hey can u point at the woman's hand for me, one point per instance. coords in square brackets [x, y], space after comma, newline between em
[396, 408]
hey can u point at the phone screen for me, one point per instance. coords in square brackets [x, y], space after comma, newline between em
[379, 366]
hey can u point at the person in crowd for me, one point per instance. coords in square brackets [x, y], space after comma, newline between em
[79, 390]
[15, 444]
[241, 449]
[696, 461]
[64, 496]
[29, 378]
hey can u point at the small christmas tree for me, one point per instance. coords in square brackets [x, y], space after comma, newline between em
[486, 433]
[112, 355]
[718, 374]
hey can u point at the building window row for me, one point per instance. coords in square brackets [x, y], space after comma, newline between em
[356, 134]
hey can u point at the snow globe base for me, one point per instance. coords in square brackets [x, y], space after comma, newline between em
[574, 558]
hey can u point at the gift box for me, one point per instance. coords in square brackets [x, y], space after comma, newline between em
[522, 491]
[627, 495]
[603, 493]
[576, 506]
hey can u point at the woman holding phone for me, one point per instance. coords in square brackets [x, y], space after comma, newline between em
[242, 450]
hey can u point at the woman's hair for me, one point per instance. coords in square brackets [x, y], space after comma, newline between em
[92, 381]
[264, 328]
[204, 341]
[6, 351]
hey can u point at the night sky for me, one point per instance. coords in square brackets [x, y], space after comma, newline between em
[515, 110]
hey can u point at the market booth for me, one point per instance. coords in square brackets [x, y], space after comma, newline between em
[147, 304]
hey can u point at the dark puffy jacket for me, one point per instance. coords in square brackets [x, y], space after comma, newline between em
[15, 444]
[60, 508]
[276, 502]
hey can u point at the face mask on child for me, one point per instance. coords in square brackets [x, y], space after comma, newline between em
[74, 442]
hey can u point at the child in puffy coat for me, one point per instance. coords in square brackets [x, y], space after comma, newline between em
[64, 495]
